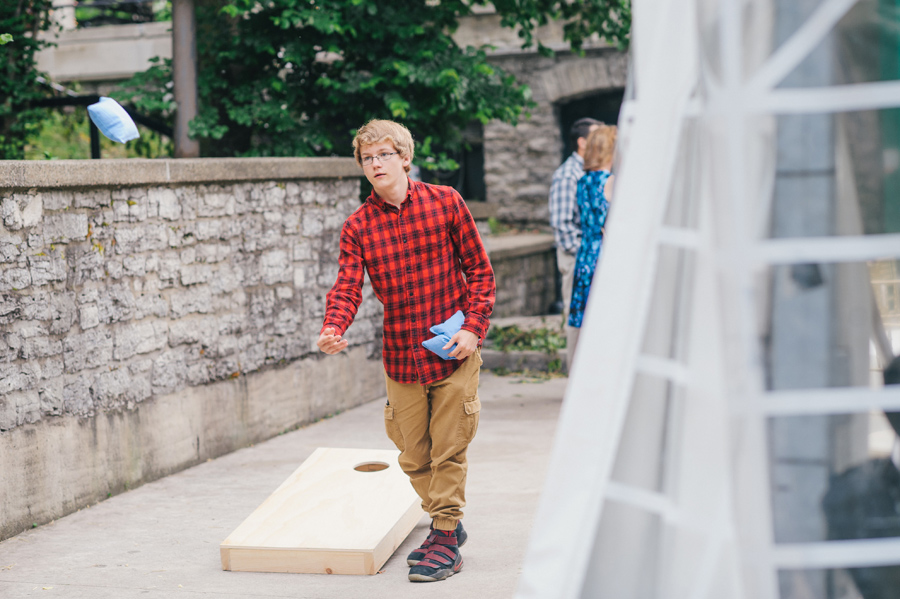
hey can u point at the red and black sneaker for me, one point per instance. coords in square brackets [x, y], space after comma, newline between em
[419, 554]
[443, 559]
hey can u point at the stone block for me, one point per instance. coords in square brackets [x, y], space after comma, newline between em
[275, 267]
[140, 338]
[216, 203]
[57, 200]
[193, 274]
[92, 198]
[194, 329]
[52, 397]
[134, 266]
[15, 279]
[290, 222]
[87, 350]
[40, 347]
[63, 312]
[7, 412]
[117, 304]
[64, 227]
[167, 202]
[130, 240]
[52, 367]
[21, 211]
[130, 211]
[209, 229]
[112, 388]
[16, 377]
[150, 303]
[195, 300]
[77, 398]
[9, 252]
[312, 223]
[47, 269]
[28, 406]
[169, 371]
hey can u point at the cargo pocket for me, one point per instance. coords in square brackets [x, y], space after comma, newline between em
[469, 421]
[392, 428]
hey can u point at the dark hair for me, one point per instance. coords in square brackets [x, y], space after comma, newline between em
[581, 128]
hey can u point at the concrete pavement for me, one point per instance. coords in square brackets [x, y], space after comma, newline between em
[162, 539]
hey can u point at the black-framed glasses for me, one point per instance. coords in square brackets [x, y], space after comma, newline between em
[382, 158]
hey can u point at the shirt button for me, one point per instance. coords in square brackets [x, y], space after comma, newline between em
[404, 240]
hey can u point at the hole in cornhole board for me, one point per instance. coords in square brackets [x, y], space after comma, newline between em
[371, 467]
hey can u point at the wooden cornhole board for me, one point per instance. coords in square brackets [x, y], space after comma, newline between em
[328, 518]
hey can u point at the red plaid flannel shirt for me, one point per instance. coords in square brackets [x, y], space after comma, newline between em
[425, 261]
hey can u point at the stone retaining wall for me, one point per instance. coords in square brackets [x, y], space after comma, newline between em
[525, 270]
[164, 316]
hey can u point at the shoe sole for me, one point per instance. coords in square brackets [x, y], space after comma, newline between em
[415, 562]
[439, 575]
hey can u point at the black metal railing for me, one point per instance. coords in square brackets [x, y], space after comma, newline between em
[70, 98]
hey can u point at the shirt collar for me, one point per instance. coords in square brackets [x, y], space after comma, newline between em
[377, 200]
[578, 158]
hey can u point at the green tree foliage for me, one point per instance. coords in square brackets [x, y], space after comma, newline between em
[610, 20]
[296, 77]
[21, 22]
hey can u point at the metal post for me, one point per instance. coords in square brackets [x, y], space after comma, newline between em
[184, 75]
[95, 140]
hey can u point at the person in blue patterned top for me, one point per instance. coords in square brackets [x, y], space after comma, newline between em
[592, 195]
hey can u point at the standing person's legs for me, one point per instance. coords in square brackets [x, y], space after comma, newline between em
[455, 409]
[566, 264]
[432, 425]
[406, 419]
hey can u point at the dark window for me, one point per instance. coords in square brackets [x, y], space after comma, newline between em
[468, 179]
[603, 106]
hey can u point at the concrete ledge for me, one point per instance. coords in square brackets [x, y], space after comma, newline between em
[482, 210]
[58, 174]
[513, 246]
[59, 465]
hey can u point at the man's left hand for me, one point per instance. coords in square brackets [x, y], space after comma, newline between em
[466, 343]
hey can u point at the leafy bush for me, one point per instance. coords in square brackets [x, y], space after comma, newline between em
[513, 338]
[296, 78]
[20, 23]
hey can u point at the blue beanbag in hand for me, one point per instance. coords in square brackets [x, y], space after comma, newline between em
[444, 332]
[113, 121]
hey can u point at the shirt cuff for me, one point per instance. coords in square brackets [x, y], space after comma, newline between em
[337, 329]
[477, 324]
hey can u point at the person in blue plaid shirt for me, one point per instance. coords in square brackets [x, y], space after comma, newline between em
[564, 214]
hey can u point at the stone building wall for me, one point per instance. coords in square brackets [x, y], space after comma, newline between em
[520, 160]
[164, 316]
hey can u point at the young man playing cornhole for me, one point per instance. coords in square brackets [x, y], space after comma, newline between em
[426, 262]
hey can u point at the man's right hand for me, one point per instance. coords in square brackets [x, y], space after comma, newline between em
[330, 343]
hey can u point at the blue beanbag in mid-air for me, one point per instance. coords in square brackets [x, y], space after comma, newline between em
[113, 121]
[444, 331]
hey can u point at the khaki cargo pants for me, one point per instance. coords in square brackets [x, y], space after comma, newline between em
[432, 426]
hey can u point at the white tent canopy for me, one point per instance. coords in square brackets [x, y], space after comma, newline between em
[741, 215]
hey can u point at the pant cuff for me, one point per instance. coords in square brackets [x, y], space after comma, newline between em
[445, 523]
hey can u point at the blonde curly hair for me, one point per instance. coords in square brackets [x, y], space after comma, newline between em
[376, 131]
[600, 147]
